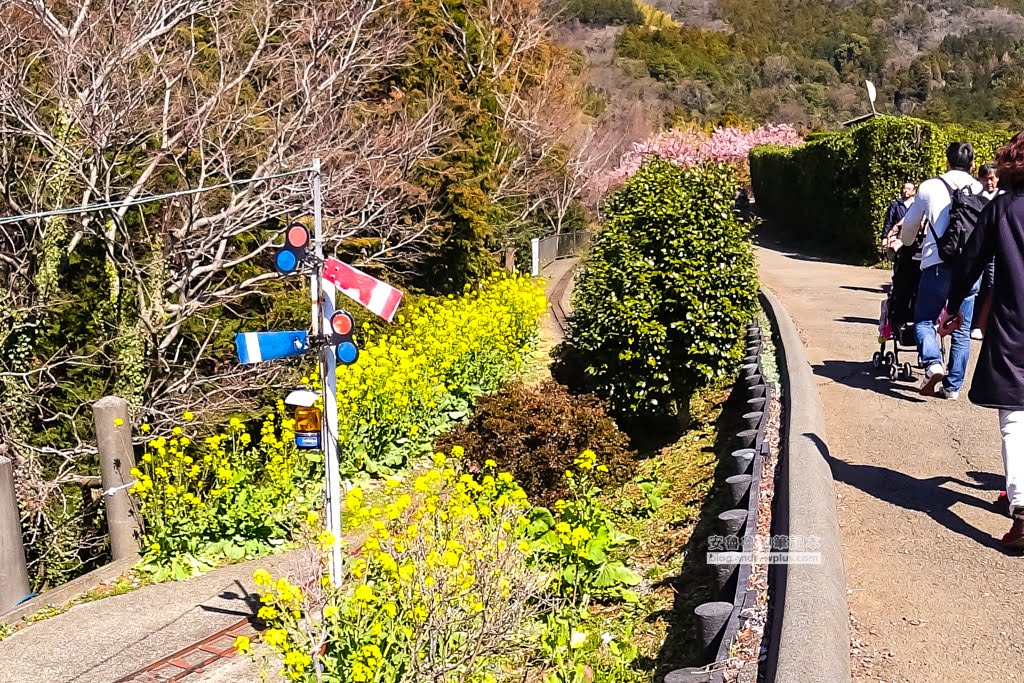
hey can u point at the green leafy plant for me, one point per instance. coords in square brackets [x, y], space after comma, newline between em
[224, 497]
[534, 433]
[46, 612]
[579, 540]
[578, 653]
[651, 487]
[661, 301]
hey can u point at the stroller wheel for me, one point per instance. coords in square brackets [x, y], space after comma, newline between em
[908, 372]
[876, 359]
[894, 371]
[890, 358]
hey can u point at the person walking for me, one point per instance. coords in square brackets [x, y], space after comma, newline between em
[897, 210]
[988, 176]
[999, 377]
[930, 211]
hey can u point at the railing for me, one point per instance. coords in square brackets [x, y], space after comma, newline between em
[547, 250]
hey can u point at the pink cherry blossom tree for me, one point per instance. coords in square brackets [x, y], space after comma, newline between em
[692, 146]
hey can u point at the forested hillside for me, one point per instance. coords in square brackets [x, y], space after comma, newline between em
[804, 61]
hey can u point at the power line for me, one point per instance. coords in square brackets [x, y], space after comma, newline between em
[116, 204]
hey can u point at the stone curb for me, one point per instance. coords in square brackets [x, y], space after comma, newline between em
[720, 619]
[61, 595]
[809, 639]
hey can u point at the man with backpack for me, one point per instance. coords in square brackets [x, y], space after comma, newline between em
[944, 213]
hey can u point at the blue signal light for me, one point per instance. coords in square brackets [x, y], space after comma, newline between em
[285, 261]
[347, 352]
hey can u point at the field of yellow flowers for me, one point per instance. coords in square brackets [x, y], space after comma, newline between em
[452, 576]
[411, 383]
[459, 580]
[241, 492]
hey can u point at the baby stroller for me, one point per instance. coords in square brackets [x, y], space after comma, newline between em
[896, 324]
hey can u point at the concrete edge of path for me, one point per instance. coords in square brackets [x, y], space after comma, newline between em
[76, 588]
[810, 639]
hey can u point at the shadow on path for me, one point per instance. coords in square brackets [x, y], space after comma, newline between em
[861, 375]
[807, 250]
[987, 480]
[248, 600]
[884, 289]
[927, 496]
[857, 319]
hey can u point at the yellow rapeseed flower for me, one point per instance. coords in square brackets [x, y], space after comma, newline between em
[242, 644]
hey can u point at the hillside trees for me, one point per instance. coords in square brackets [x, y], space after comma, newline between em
[106, 101]
[520, 136]
[804, 62]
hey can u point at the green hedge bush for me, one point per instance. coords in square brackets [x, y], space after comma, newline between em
[660, 304]
[834, 190]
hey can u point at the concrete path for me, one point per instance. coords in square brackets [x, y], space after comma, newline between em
[932, 597]
[105, 640]
[559, 279]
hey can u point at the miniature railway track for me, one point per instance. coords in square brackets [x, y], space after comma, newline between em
[194, 658]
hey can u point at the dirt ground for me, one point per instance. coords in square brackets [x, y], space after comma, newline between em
[932, 597]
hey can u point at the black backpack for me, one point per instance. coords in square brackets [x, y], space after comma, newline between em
[964, 209]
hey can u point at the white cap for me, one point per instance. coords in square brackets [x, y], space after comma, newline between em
[301, 397]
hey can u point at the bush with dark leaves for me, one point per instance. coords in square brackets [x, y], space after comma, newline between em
[535, 432]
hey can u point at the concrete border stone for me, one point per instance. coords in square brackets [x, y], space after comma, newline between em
[59, 596]
[809, 640]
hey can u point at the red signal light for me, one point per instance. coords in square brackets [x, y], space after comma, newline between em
[341, 323]
[297, 236]
[294, 252]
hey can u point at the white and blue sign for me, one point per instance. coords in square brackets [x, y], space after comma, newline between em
[307, 439]
[255, 347]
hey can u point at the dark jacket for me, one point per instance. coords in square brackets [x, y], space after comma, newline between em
[894, 214]
[999, 377]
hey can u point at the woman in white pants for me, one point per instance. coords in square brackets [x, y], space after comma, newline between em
[999, 378]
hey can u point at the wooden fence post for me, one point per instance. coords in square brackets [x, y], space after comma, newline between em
[13, 571]
[114, 438]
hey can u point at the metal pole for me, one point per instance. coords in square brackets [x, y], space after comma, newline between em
[535, 260]
[114, 439]
[14, 584]
[329, 384]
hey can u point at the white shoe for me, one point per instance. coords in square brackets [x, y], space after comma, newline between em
[948, 394]
[932, 376]
[977, 334]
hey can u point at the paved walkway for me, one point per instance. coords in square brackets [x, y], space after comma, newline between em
[105, 640]
[932, 597]
[559, 279]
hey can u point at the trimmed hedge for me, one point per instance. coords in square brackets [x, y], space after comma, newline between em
[666, 290]
[834, 190]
